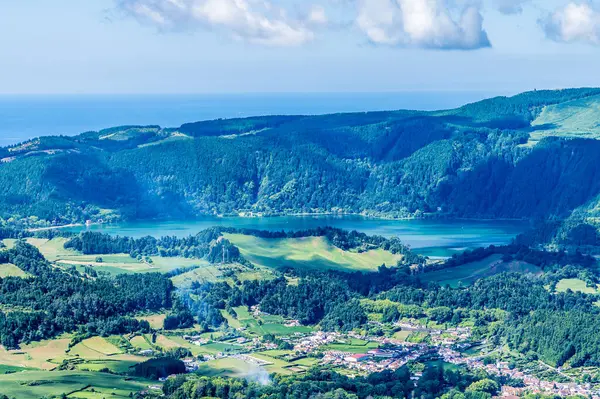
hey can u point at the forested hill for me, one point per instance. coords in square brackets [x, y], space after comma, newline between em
[529, 156]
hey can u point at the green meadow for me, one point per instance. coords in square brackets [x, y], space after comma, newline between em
[75, 384]
[54, 251]
[467, 274]
[10, 270]
[308, 253]
[575, 119]
[575, 285]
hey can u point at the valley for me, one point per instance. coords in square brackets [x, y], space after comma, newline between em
[390, 254]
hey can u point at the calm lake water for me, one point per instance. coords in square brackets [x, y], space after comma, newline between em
[431, 238]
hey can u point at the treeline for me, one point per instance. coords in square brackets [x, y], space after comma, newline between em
[322, 299]
[208, 245]
[541, 258]
[511, 292]
[327, 384]
[54, 301]
[8, 232]
[558, 337]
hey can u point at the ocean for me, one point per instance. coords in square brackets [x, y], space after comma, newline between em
[23, 117]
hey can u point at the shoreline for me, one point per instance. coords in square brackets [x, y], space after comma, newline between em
[65, 226]
[283, 215]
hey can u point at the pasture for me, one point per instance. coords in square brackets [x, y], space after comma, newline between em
[94, 348]
[156, 321]
[352, 346]
[75, 384]
[10, 270]
[574, 119]
[469, 273]
[39, 355]
[227, 367]
[262, 324]
[575, 285]
[54, 251]
[308, 253]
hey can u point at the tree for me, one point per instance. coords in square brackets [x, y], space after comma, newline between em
[486, 386]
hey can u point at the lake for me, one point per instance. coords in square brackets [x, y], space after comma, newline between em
[434, 238]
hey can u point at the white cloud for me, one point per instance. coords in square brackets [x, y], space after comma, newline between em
[255, 21]
[576, 22]
[422, 23]
[318, 16]
[510, 6]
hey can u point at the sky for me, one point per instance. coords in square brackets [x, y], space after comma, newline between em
[256, 46]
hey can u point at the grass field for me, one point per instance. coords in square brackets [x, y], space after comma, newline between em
[156, 321]
[577, 118]
[268, 324]
[10, 270]
[36, 355]
[209, 273]
[469, 273]
[401, 335]
[227, 367]
[54, 251]
[214, 273]
[275, 365]
[51, 249]
[308, 253]
[575, 285]
[123, 263]
[6, 369]
[96, 347]
[352, 346]
[140, 343]
[37, 384]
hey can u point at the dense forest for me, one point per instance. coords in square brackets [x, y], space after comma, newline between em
[209, 244]
[326, 384]
[467, 162]
[53, 301]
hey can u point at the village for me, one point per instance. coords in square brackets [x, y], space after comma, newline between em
[391, 354]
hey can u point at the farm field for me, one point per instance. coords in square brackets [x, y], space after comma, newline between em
[402, 335]
[215, 273]
[93, 354]
[275, 365]
[10, 270]
[37, 355]
[96, 347]
[308, 253]
[227, 367]
[352, 346]
[467, 274]
[123, 263]
[54, 251]
[575, 285]
[156, 321]
[262, 325]
[76, 384]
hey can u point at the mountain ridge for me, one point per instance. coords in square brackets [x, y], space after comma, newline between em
[473, 161]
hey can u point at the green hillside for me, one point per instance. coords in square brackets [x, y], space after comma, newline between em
[473, 161]
[575, 119]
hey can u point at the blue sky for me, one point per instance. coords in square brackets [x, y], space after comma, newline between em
[213, 46]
